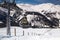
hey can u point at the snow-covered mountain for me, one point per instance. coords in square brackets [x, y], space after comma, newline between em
[45, 6]
[42, 8]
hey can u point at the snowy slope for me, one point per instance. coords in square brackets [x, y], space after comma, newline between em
[26, 7]
[42, 8]
[34, 34]
[46, 6]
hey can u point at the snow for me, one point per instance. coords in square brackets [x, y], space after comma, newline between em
[42, 8]
[30, 33]
[12, 12]
[1, 22]
[25, 7]
[4, 9]
[30, 17]
[45, 6]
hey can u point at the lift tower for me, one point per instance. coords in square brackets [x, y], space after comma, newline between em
[9, 2]
[8, 15]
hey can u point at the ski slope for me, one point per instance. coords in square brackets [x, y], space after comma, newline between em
[30, 34]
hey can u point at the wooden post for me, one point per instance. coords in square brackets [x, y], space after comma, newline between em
[23, 33]
[15, 31]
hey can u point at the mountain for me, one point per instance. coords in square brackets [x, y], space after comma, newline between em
[41, 8]
[49, 10]
[45, 6]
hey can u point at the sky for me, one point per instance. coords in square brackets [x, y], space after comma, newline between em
[38, 1]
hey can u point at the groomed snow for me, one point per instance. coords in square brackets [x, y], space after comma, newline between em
[30, 34]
